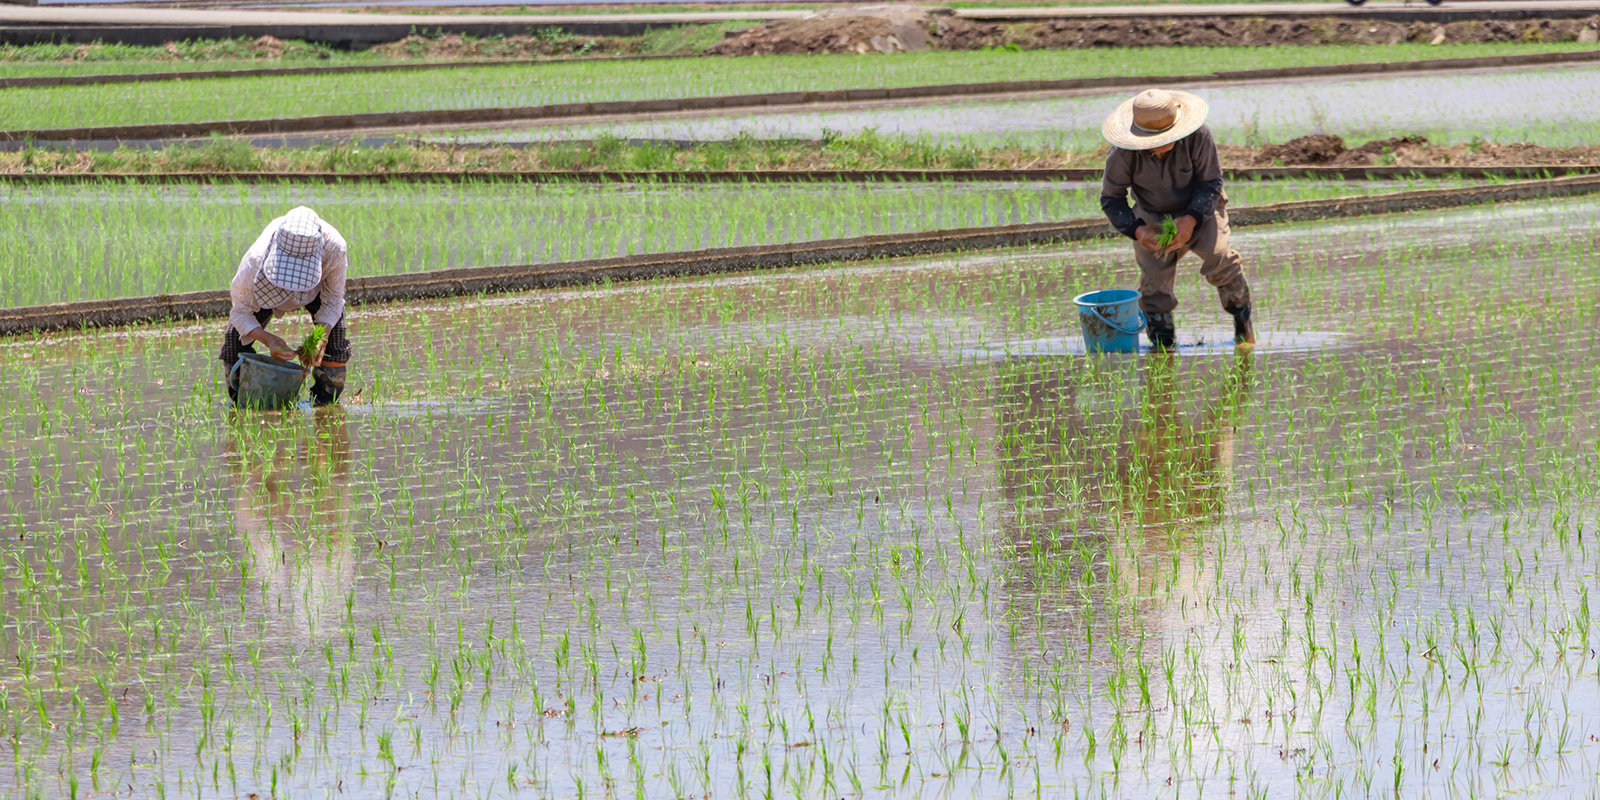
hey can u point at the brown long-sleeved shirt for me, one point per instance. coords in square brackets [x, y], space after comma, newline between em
[1187, 180]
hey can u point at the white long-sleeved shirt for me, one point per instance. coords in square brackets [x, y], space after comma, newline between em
[335, 263]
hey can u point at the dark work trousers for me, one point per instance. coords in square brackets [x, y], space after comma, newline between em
[1220, 265]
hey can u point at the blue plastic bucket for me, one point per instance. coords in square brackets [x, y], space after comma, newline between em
[265, 382]
[1111, 320]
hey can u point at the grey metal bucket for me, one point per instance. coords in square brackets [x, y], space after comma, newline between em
[265, 382]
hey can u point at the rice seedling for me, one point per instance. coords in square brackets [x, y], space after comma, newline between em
[1169, 231]
[850, 529]
[521, 85]
[310, 350]
[119, 237]
[1445, 108]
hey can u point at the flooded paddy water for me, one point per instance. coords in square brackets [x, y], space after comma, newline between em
[588, 81]
[854, 530]
[1447, 108]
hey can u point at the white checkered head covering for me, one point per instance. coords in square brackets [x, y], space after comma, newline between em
[294, 259]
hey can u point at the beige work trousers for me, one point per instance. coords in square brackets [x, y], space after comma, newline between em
[1220, 265]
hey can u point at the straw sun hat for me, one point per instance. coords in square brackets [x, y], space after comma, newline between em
[1153, 118]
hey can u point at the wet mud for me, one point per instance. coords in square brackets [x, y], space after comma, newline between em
[890, 29]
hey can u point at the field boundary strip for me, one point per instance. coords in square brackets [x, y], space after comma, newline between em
[38, 81]
[524, 277]
[626, 108]
[1527, 171]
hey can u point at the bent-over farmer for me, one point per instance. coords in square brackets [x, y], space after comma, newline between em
[299, 261]
[1162, 151]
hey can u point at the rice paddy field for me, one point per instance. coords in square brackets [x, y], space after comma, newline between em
[521, 85]
[32, 69]
[875, 530]
[1484, 105]
[132, 240]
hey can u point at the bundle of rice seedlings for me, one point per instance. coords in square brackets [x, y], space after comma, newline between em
[311, 348]
[1169, 231]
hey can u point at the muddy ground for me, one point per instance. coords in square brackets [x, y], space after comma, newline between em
[879, 29]
[890, 29]
[1326, 150]
[897, 28]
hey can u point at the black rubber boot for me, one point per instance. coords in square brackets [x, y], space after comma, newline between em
[1243, 331]
[1161, 331]
[327, 383]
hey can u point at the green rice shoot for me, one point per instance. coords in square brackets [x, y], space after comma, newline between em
[310, 347]
[1169, 232]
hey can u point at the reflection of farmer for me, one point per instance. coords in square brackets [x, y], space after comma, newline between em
[290, 511]
[1111, 477]
[1151, 459]
[298, 262]
[1180, 469]
[1163, 152]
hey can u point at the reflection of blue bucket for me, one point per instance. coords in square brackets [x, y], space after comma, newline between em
[1111, 320]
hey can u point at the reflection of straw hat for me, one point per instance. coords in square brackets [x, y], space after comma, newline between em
[1153, 118]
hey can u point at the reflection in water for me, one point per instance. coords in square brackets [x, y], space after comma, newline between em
[1113, 470]
[1181, 467]
[291, 513]
[1091, 444]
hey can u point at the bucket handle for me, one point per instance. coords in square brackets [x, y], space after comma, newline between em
[239, 362]
[1095, 310]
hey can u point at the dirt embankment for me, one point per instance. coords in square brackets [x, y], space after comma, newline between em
[1260, 32]
[850, 153]
[1326, 150]
[881, 29]
[888, 29]
[875, 29]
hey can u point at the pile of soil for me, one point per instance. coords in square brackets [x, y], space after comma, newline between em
[888, 29]
[1324, 150]
[1318, 148]
[877, 29]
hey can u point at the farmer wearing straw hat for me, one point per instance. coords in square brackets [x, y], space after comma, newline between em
[299, 261]
[1163, 152]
